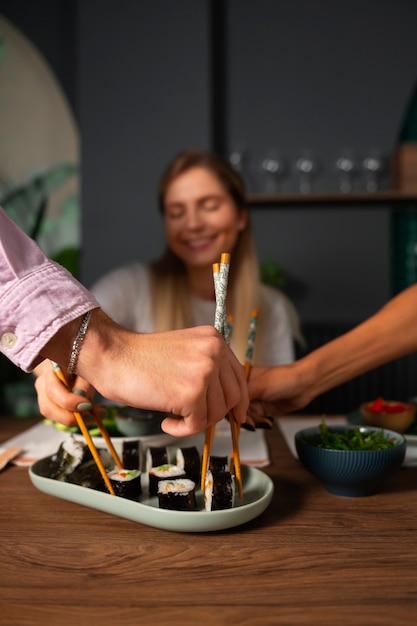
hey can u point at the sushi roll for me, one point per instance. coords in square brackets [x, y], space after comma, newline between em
[131, 454]
[177, 495]
[218, 463]
[156, 456]
[219, 491]
[189, 460]
[71, 453]
[88, 475]
[163, 472]
[126, 483]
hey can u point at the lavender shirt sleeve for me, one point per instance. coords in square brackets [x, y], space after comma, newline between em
[37, 296]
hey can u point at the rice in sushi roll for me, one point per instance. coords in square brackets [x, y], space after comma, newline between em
[163, 472]
[219, 491]
[126, 483]
[177, 495]
[189, 460]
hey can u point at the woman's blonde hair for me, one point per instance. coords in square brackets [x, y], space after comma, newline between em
[170, 294]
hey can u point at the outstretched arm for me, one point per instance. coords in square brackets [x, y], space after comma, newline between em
[387, 335]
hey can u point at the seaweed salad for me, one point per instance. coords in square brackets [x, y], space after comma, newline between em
[349, 439]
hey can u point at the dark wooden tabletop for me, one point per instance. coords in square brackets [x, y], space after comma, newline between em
[310, 558]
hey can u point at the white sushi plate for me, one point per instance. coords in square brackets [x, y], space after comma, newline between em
[258, 489]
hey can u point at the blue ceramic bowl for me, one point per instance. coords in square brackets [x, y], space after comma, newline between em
[353, 473]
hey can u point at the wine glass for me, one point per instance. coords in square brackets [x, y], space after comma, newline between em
[346, 167]
[273, 167]
[307, 167]
[237, 158]
[372, 165]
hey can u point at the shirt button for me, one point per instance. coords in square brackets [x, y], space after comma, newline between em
[8, 340]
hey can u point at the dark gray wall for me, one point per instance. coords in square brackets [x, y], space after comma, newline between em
[319, 75]
[301, 74]
[143, 95]
[327, 77]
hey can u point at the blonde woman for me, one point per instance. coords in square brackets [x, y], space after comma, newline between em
[203, 204]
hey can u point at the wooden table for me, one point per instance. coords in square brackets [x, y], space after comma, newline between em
[311, 558]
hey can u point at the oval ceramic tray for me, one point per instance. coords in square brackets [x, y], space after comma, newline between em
[258, 489]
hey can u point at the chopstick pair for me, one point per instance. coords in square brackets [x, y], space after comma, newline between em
[249, 349]
[223, 324]
[81, 424]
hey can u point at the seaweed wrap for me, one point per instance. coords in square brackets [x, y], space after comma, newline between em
[219, 491]
[218, 463]
[131, 454]
[189, 460]
[163, 472]
[70, 454]
[87, 475]
[126, 483]
[177, 495]
[156, 456]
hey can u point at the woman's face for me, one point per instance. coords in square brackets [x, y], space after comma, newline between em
[201, 218]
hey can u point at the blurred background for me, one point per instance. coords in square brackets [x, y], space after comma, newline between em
[304, 98]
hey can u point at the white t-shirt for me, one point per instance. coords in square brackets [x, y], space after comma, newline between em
[124, 294]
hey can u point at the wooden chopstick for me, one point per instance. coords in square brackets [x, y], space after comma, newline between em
[228, 328]
[106, 437]
[248, 356]
[223, 325]
[251, 343]
[208, 441]
[235, 460]
[234, 424]
[209, 434]
[80, 422]
[219, 325]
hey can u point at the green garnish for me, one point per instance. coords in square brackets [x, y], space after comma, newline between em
[349, 439]
[108, 421]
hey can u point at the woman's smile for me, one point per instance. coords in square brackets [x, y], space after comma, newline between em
[201, 218]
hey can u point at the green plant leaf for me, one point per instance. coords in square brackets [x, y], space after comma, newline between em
[26, 203]
[272, 274]
[70, 259]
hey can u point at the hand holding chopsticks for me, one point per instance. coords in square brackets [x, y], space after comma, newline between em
[80, 422]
